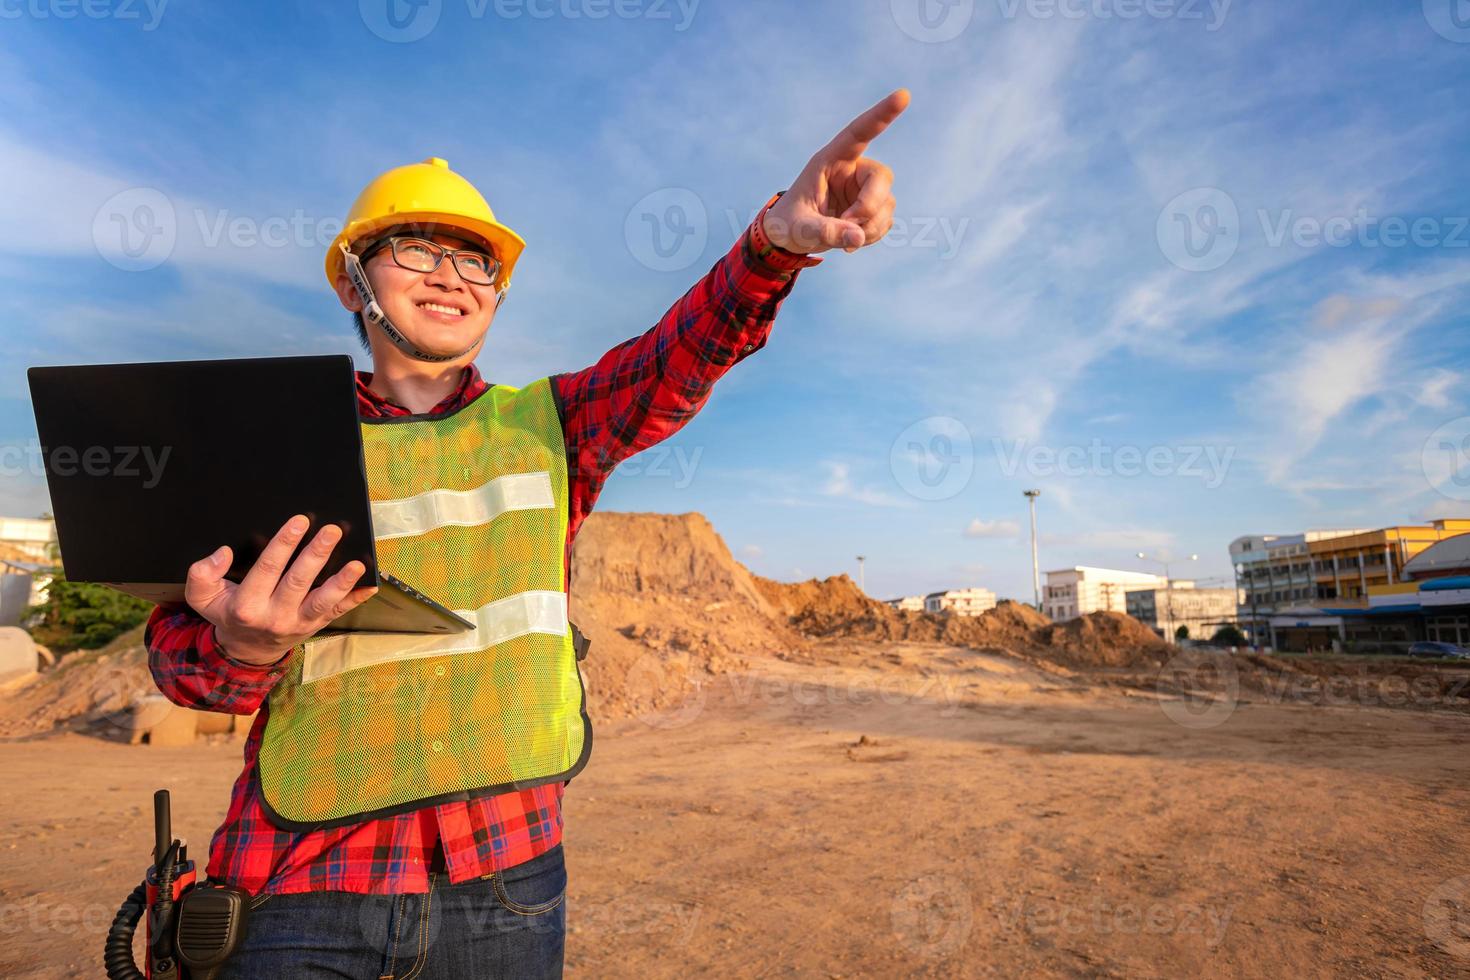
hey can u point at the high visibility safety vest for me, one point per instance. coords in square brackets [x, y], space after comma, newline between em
[470, 508]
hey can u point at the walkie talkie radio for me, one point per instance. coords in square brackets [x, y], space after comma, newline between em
[193, 926]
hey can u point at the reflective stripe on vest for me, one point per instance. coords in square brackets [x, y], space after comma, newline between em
[464, 508]
[470, 508]
[495, 623]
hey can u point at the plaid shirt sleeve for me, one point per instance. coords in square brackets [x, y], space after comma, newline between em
[191, 668]
[646, 388]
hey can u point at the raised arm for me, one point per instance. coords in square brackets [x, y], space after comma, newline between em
[647, 388]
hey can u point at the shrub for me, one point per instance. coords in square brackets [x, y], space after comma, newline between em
[84, 615]
[1229, 636]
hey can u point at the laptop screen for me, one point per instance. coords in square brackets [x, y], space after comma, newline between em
[151, 467]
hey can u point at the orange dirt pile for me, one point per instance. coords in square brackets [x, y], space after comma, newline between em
[834, 607]
[88, 689]
[667, 608]
[1101, 639]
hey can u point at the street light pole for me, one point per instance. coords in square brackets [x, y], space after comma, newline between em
[1031, 496]
[862, 582]
[1168, 594]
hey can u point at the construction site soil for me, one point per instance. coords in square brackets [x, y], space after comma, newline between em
[793, 779]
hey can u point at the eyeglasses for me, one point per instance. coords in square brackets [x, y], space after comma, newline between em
[417, 255]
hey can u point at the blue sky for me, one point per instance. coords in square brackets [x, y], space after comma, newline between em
[1111, 281]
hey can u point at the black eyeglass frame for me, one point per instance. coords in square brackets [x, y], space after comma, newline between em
[392, 242]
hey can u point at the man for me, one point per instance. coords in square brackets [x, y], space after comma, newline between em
[399, 813]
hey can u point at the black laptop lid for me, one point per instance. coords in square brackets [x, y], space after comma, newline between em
[153, 466]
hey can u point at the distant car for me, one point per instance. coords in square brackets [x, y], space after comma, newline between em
[1434, 649]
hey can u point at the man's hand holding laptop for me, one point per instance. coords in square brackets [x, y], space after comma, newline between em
[259, 620]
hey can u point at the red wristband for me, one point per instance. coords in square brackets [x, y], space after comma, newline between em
[771, 254]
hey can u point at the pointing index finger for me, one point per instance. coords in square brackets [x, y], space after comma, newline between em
[855, 137]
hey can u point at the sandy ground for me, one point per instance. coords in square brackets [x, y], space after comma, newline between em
[971, 816]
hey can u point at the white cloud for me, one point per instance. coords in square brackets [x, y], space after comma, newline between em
[839, 483]
[68, 208]
[992, 529]
[1351, 355]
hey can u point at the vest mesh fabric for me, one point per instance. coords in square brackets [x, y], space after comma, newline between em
[362, 724]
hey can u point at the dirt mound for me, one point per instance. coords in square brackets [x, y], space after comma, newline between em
[667, 607]
[836, 607]
[833, 607]
[1386, 681]
[1101, 639]
[89, 690]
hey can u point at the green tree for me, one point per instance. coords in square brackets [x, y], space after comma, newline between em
[1229, 636]
[84, 615]
[1182, 633]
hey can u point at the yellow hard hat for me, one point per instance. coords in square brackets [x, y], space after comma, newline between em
[427, 193]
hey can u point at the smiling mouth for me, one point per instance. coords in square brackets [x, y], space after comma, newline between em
[440, 308]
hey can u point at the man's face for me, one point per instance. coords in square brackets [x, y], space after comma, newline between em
[438, 311]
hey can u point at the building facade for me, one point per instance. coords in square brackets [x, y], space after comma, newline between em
[912, 603]
[27, 538]
[1275, 572]
[1077, 591]
[1201, 611]
[961, 602]
[1370, 590]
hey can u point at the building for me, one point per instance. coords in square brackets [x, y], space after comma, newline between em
[1348, 566]
[27, 538]
[961, 602]
[1369, 590]
[912, 603]
[1274, 572]
[1440, 560]
[1077, 591]
[1201, 611]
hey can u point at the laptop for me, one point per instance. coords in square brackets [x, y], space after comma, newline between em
[153, 466]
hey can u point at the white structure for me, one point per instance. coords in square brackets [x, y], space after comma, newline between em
[961, 602]
[22, 584]
[26, 537]
[1203, 611]
[1077, 591]
[19, 658]
[913, 603]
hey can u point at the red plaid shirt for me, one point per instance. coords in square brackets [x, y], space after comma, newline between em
[640, 392]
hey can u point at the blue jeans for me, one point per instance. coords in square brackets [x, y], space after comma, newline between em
[511, 924]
